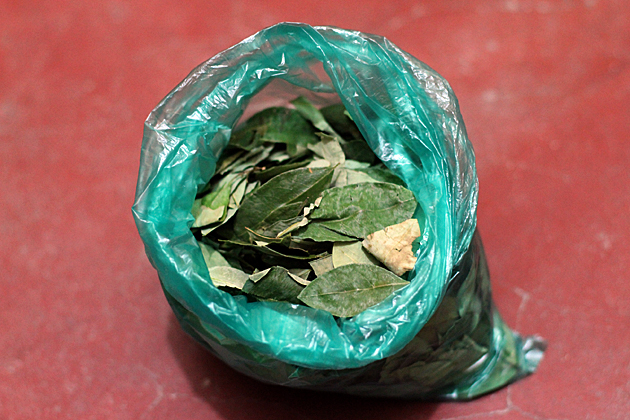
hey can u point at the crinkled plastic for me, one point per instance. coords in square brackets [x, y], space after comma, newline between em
[439, 337]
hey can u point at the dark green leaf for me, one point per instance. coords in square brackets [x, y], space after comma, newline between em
[360, 209]
[320, 233]
[275, 125]
[276, 228]
[265, 175]
[311, 113]
[276, 250]
[382, 175]
[276, 200]
[359, 150]
[348, 290]
[277, 285]
[340, 122]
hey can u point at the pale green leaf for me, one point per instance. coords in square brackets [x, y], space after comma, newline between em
[358, 177]
[355, 164]
[228, 215]
[345, 253]
[208, 216]
[228, 277]
[212, 257]
[348, 290]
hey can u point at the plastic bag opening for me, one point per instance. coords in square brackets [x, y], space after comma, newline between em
[410, 118]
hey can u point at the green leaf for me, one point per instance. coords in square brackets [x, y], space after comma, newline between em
[293, 226]
[348, 290]
[318, 163]
[360, 209]
[359, 150]
[237, 195]
[318, 232]
[329, 149]
[299, 279]
[228, 277]
[276, 200]
[382, 175]
[358, 177]
[228, 159]
[345, 253]
[340, 122]
[311, 113]
[208, 219]
[276, 285]
[276, 251]
[268, 173]
[355, 164]
[212, 257]
[308, 246]
[250, 160]
[229, 214]
[207, 216]
[274, 125]
[277, 227]
[218, 198]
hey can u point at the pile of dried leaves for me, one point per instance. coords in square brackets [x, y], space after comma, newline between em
[301, 210]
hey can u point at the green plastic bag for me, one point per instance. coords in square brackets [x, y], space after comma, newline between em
[438, 337]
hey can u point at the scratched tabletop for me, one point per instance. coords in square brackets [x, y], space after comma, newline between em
[86, 332]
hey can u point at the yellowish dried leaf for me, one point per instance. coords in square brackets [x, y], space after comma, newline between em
[392, 245]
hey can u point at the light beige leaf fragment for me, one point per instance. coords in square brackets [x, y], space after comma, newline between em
[258, 275]
[392, 245]
[293, 227]
[322, 265]
[298, 279]
[318, 163]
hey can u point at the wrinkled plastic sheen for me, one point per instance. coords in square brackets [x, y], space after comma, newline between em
[409, 116]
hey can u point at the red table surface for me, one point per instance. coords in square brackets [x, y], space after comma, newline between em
[544, 88]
